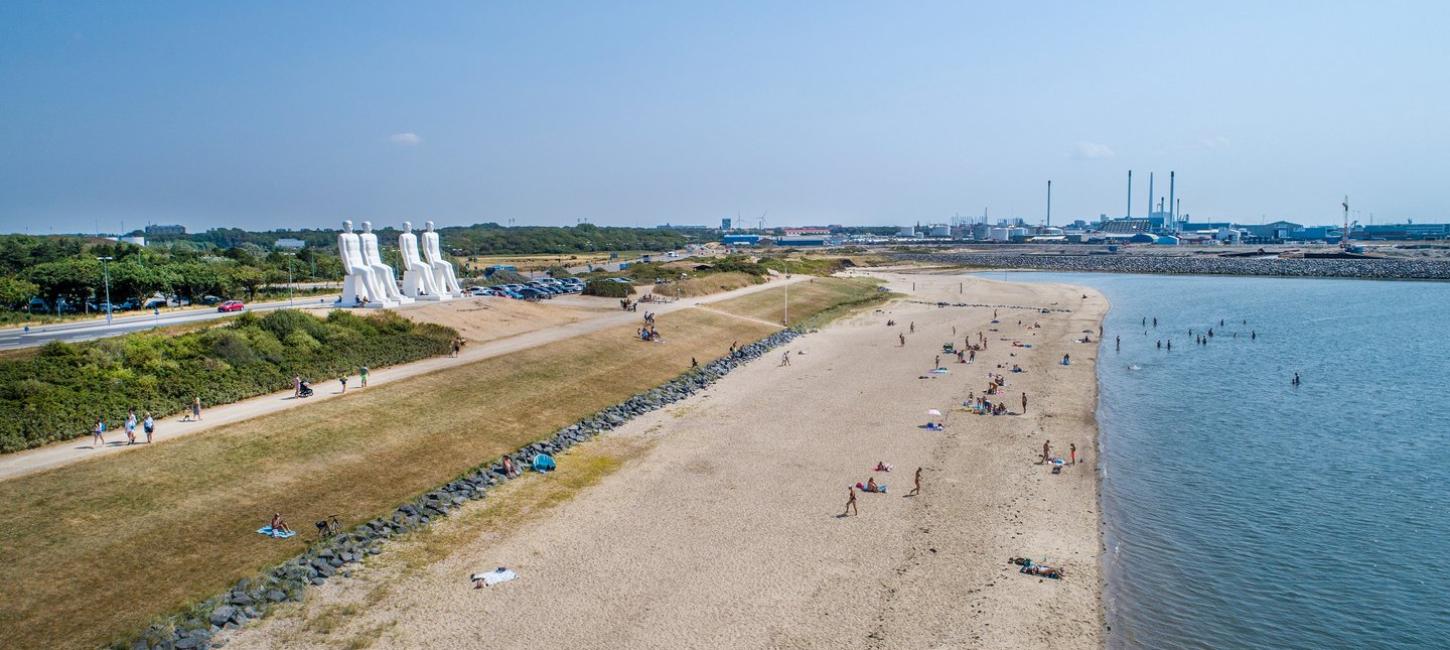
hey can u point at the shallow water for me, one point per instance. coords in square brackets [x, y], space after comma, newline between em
[1243, 512]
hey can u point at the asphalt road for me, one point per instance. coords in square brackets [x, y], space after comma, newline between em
[134, 322]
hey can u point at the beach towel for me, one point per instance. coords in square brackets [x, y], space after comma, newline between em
[495, 576]
[543, 463]
[880, 488]
[267, 530]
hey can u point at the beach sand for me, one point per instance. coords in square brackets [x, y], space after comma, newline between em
[723, 530]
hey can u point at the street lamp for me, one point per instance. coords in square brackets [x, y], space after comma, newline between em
[290, 257]
[106, 271]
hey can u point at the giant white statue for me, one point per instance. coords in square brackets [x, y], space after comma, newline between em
[360, 287]
[443, 275]
[418, 281]
[381, 271]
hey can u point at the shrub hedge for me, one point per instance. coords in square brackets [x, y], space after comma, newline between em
[58, 393]
[603, 287]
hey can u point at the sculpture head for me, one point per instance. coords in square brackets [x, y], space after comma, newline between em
[367, 226]
[407, 226]
[347, 226]
[429, 225]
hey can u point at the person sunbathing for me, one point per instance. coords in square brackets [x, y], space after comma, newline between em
[278, 524]
[1042, 570]
[881, 466]
[871, 485]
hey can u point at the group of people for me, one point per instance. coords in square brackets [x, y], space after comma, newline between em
[147, 424]
[873, 487]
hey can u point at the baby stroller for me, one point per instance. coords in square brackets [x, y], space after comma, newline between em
[303, 390]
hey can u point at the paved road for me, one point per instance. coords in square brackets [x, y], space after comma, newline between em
[97, 329]
[76, 449]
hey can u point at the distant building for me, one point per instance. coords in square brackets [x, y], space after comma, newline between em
[671, 227]
[289, 243]
[909, 231]
[938, 230]
[740, 240]
[725, 223]
[808, 230]
[158, 231]
[806, 240]
[134, 240]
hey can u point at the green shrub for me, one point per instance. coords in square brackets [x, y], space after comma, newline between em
[59, 392]
[608, 289]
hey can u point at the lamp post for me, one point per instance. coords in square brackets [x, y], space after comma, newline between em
[106, 272]
[290, 257]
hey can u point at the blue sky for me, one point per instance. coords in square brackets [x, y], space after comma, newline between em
[304, 114]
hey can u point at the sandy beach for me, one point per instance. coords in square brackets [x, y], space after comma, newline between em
[723, 528]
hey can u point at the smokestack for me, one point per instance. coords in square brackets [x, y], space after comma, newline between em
[1150, 195]
[1130, 193]
[1171, 200]
[1049, 204]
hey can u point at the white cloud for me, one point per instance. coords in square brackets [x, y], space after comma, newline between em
[1092, 151]
[1214, 142]
[408, 139]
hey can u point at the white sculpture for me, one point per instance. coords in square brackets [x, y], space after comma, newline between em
[443, 276]
[360, 287]
[417, 275]
[381, 271]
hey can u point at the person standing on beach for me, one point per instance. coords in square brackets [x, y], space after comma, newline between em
[1072, 449]
[1024, 403]
[913, 327]
[785, 358]
[851, 503]
[903, 339]
[937, 362]
[98, 434]
[916, 490]
[363, 376]
[1046, 450]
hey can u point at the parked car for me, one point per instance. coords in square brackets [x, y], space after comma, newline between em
[530, 293]
[479, 291]
[619, 280]
[210, 300]
[231, 305]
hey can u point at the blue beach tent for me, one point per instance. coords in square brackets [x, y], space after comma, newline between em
[543, 463]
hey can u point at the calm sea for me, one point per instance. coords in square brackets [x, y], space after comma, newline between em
[1244, 512]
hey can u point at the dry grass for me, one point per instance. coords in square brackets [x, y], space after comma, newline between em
[708, 284]
[807, 299]
[97, 549]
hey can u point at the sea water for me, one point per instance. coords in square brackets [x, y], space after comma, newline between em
[1242, 511]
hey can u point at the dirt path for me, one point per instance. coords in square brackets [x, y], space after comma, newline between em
[725, 532]
[78, 449]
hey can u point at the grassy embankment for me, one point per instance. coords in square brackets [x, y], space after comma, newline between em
[95, 550]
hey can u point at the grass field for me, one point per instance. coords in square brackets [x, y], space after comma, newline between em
[807, 299]
[95, 550]
[707, 284]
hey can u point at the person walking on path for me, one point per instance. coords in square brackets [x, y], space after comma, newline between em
[903, 339]
[363, 376]
[916, 490]
[98, 434]
[149, 425]
[296, 386]
[196, 408]
[851, 503]
[785, 358]
[131, 427]
[1024, 403]
[1072, 449]
[343, 381]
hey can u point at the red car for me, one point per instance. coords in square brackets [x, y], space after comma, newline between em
[231, 305]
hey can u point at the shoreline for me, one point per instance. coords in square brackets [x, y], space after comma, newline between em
[722, 530]
[1360, 269]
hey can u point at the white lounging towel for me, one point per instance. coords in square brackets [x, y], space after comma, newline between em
[495, 576]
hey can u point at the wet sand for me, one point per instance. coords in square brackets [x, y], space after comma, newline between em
[725, 531]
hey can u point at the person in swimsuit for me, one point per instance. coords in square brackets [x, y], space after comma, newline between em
[916, 490]
[851, 503]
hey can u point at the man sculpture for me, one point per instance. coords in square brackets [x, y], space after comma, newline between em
[360, 287]
[381, 271]
[443, 276]
[417, 275]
